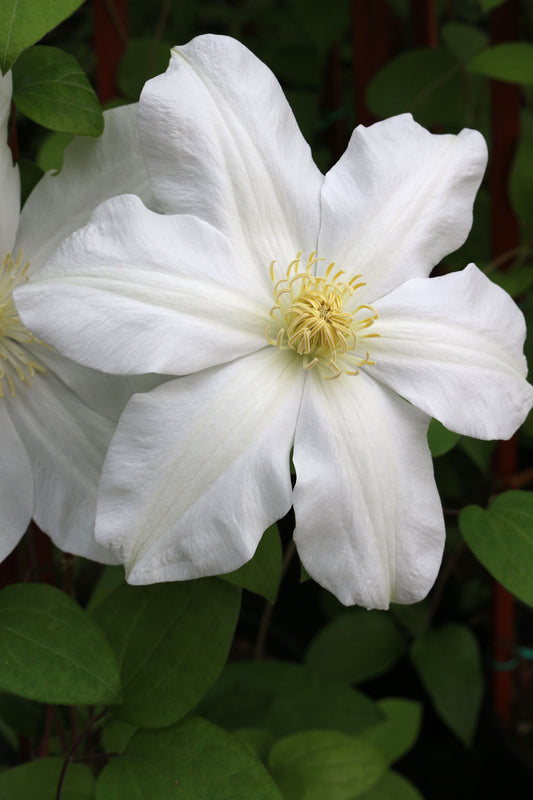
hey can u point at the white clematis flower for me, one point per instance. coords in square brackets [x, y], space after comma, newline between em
[298, 310]
[56, 418]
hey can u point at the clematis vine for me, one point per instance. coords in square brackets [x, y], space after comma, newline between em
[56, 418]
[297, 311]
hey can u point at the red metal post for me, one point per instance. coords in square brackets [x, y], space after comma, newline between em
[424, 23]
[110, 39]
[373, 37]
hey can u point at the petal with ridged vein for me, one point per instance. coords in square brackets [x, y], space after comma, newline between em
[369, 523]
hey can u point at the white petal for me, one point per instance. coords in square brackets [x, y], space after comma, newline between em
[16, 486]
[9, 175]
[137, 292]
[399, 200]
[221, 142]
[66, 443]
[369, 523]
[453, 347]
[199, 468]
[93, 170]
[105, 394]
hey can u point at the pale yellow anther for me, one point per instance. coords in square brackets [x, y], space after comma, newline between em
[314, 315]
[17, 361]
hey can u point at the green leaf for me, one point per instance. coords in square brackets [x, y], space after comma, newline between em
[464, 41]
[414, 618]
[511, 62]
[519, 278]
[110, 579]
[38, 780]
[502, 539]
[50, 87]
[30, 175]
[142, 59]
[309, 15]
[473, 596]
[50, 153]
[115, 734]
[449, 665]
[171, 640]
[24, 22]
[258, 740]
[478, 451]
[285, 698]
[53, 651]
[488, 5]
[440, 439]
[262, 573]
[392, 786]
[324, 764]
[398, 732]
[193, 760]
[426, 82]
[521, 178]
[356, 646]
[330, 605]
[401, 8]
[26, 717]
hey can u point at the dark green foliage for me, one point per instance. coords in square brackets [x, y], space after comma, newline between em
[286, 698]
[171, 641]
[50, 87]
[52, 650]
[448, 663]
[193, 760]
[502, 539]
[24, 22]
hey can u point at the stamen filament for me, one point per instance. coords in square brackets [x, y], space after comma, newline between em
[17, 360]
[313, 317]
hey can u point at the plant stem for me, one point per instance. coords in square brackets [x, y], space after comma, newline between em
[70, 758]
[269, 607]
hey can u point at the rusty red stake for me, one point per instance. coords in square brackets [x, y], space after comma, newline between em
[373, 37]
[110, 40]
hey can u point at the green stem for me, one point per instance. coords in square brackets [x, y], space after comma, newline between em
[70, 758]
[269, 607]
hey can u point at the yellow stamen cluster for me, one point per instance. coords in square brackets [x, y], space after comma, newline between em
[15, 359]
[316, 316]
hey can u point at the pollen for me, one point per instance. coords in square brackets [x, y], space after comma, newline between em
[17, 364]
[319, 318]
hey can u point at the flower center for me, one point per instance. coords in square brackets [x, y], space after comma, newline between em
[318, 317]
[16, 363]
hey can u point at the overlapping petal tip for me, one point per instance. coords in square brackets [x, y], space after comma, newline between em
[398, 200]
[93, 171]
[208, 474]
[369, 523]
[452, 346]
[9, 175]
[66, 443]
[221, 142]
[136, 292]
